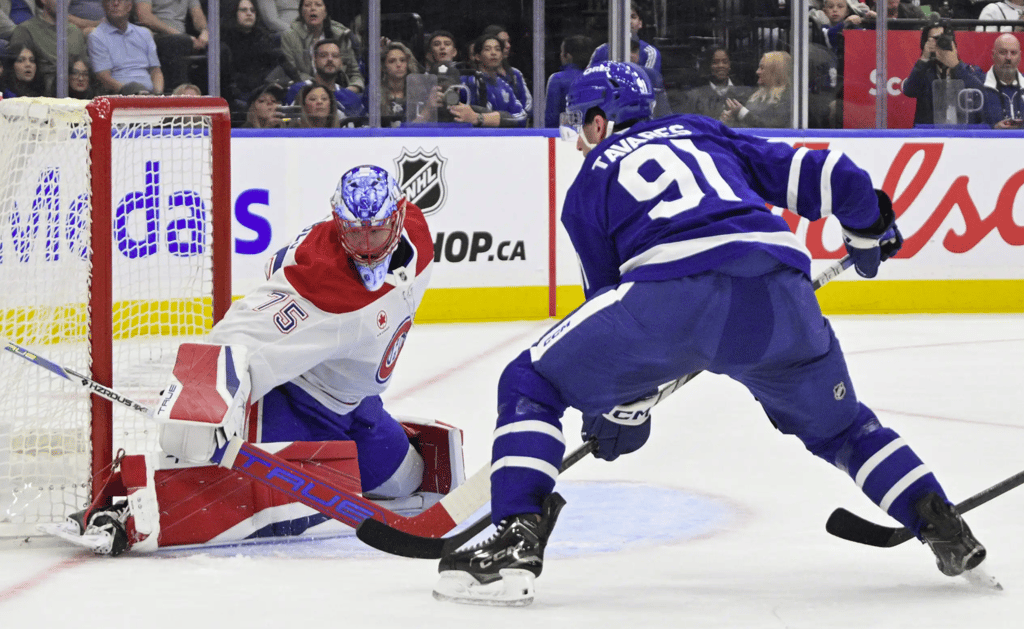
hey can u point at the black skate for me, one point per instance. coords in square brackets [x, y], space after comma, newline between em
[501, 570]
[104, 531]
[955, 547]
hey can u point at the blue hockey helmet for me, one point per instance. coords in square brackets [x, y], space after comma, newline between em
[623, 91]
[369, 211]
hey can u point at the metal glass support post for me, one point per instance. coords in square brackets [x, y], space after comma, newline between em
[800, 36]
[213, 48]
[60, 88]
[618, 30]
[373, 81]
[881, 70]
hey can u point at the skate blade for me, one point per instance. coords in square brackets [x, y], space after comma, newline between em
[979, 577]
[99, 543]
[514, 589]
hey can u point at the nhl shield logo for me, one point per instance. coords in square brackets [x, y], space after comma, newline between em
[421, 178]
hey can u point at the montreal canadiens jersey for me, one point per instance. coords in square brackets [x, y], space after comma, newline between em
[314, 324]
[685, 194]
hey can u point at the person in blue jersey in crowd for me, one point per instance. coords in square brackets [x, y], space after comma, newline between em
[575, 50]
[488, 89]
[684, 269]
[649, 56]
[512, 75]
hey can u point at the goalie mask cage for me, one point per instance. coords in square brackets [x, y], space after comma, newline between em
[115, 218]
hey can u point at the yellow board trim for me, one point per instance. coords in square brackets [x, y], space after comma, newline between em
[516, 303]
[456, 305]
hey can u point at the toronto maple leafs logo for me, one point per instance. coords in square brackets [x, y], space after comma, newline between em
[421, 178]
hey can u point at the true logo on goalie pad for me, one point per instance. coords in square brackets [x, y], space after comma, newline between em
[421, 178]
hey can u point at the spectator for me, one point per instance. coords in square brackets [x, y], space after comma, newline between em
[166, 20]
[252, 54]
[512, 76]
[328, 64]
[85, 14]
[41, 33]
[1004, 85]
[835, 16]
[650, 57]
[12, 13]
[319, 109]
[896, 11]
[21, 75]
[772, 104]
[939, 62]
[574, 53]
[441, 48]
[81, 82]
[312, 25]
[487, 89]
[1001, 12]
[397, 63]
[187, 89]
[448, 101]
[263, 109]
[278, 15]
[709, 99]
[124, 56]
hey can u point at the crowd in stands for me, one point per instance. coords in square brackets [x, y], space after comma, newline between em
[288, 63]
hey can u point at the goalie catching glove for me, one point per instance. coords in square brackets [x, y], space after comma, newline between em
[876, 243]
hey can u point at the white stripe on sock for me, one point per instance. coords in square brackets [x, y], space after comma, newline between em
[526, 462]
[531, 425]
[902, 485]
[876, 460]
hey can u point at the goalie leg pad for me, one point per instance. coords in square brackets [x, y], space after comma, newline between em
[206, 401]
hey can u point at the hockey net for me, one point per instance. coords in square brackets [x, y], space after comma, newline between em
[114, 248]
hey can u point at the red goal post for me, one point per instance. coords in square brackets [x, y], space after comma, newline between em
[115, 246]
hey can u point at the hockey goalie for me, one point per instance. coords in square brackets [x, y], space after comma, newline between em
[297, 366]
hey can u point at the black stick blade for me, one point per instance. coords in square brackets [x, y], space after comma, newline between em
[854, 528]
[383, 537]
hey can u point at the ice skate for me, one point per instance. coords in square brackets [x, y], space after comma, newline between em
[956, 550]
[102, 531]
[501, 570]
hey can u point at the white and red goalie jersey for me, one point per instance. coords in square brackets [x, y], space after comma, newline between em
[314, 324]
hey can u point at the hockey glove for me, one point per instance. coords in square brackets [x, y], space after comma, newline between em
[612, 438]
[872, 245]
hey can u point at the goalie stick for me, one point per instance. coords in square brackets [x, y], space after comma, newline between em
[853, 528]
[406, 544]
[269, 469]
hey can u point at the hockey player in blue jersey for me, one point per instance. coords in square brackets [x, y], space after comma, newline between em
[684, 269]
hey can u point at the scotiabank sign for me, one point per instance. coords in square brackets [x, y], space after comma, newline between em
[904, 49]
[958, 202]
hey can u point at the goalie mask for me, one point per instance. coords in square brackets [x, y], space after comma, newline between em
[369, 211]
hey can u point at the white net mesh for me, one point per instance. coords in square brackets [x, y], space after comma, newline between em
[161, 284]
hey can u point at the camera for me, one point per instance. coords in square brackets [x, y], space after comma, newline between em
[452, 95]
[944, 41]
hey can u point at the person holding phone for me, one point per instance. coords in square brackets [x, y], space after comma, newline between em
[1004, 85]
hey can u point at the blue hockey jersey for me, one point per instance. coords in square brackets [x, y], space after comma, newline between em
[685, 194]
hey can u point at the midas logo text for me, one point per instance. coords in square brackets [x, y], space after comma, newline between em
[458, 246]
[55, 224]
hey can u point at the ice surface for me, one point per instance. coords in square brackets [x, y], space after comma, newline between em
[718, 522]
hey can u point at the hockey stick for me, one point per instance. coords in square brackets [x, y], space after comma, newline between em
[402, 543]
[852, 527]
[269, 469]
